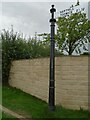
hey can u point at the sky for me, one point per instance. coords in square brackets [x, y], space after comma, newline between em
[28, 17]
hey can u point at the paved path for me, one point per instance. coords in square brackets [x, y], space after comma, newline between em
[20, 117]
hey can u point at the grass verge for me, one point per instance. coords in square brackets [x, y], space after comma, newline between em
[28, 105]
[5, 115]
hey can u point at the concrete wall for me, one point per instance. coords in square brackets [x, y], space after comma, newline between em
[71, 76]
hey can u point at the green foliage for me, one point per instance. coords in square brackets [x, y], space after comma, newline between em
[46, 41]
[86, 53]
[16, 47]
[72, 33]
[8, 40]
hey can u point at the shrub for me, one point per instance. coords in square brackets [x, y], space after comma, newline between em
[15, 46]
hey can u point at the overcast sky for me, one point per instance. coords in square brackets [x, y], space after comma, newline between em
[31, 17]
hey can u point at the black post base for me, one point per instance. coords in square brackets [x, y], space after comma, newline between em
[52, 108]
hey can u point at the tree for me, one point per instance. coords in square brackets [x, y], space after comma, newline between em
[46, 42]
[72, 33]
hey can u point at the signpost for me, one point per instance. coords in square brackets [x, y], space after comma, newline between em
[73, 9]
[52, 62]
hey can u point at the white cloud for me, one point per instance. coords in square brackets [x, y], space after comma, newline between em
[30, 17]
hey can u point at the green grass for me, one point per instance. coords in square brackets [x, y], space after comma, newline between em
[28, 106]
[5, 115]
[0, 94]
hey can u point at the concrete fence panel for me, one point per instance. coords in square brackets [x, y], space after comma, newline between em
[71, 79]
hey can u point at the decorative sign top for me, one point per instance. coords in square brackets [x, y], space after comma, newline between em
[72, 9]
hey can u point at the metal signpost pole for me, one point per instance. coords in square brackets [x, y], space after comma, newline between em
[52, 62]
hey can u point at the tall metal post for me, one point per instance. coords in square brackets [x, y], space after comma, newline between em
[52, 62]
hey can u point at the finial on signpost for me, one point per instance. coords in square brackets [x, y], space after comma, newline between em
[52, 10]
